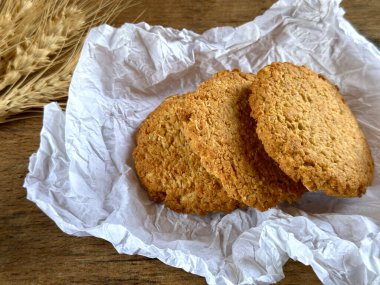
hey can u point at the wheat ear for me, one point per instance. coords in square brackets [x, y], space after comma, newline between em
[12, 17]
[31, 56]
[39, 90]
[48, 80]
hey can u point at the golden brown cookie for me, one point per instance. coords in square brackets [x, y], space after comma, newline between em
[170, 171]
[308, 129]
[220, 130]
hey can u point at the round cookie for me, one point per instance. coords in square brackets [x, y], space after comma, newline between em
[170, 171]
[307, 128]
[220, 130]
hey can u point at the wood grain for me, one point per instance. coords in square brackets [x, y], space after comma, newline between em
[34, 251]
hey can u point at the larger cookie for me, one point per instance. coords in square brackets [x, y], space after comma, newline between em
[308, 129]
[221, 131]
[170, 171]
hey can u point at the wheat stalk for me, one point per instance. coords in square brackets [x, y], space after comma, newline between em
[31, 56]
[40, 90]
[55, 86]
[41, 48]
[17, 14]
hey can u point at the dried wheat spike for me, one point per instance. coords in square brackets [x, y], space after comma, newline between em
[40, 46]
[32, 55]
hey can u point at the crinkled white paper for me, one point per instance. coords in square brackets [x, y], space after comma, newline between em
[82, 176]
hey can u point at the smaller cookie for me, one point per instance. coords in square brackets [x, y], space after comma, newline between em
[222, 133]
[306, 127]
[168, 169]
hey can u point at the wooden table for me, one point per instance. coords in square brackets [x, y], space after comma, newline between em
[34, 251]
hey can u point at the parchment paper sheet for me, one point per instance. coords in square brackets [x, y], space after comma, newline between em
[82, 175]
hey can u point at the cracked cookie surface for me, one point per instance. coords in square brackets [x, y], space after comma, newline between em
[170, 171]
[222, 133]
[306, 127]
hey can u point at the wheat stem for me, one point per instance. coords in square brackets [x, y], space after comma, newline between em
[40, 46]
[31, 56]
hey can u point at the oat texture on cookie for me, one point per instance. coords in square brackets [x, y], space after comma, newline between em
[222, 133]
[307, 128]
[170, 171]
